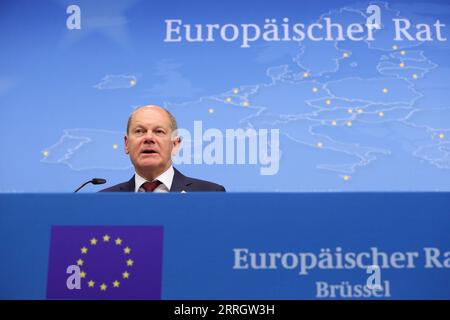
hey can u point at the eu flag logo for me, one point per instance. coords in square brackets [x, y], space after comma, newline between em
[114, 262]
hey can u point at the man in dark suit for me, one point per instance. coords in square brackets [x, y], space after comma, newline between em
[151, 140]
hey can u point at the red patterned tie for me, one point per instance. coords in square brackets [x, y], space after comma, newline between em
[150, 186]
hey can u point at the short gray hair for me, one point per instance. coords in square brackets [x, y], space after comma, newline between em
[173, 121]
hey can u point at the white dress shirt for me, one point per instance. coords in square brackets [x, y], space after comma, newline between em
[165, 178]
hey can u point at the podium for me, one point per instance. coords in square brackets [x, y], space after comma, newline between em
[230, 245]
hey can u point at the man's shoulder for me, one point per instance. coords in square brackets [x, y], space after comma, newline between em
[203, 185]
[183, 183]
[121, 187]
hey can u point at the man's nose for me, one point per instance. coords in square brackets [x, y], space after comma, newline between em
[149, 137]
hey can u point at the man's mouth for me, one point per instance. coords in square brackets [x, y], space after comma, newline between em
[149, 152]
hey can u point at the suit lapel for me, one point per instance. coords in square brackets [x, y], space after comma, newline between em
[128, 186]
[180, 182]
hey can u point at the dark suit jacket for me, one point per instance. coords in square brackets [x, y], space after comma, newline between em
[180, 182]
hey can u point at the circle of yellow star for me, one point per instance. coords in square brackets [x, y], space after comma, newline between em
[441, 136]
[359, 110]
[211, 110]
[333, 123]
[315, 89]
[402, 65]
[350, 110]
[328, 102]
[45, 153]
[385, 90]
[305, 75]
[414, 76]
[319, 144]
[108, 239]
[228, 99]
[394, 47]
[345, 55]
[115, 146]
[245, 103]
[346, 178]
[235, 90]
[403, 52]
[132, 82]
[381, 114]
[349, 123]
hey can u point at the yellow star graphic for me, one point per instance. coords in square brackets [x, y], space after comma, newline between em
[93, 241]
[130, 262]
[106, 238]
[80, 262]
[118, 241]
[103, 287]
[127, 250]
[126, 275]
[83, 274]
[91, 284]
[84, 250]
[116, 284]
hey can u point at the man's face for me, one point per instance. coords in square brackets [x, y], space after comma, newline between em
[149, 142]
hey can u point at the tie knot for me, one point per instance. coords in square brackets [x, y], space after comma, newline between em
[150, 186]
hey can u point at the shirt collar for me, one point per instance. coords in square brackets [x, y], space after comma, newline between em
[166, 178]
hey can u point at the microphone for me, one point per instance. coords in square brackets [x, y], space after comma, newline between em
[93, 181]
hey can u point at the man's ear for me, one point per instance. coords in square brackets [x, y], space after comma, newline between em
[125, 139]
[176, 145]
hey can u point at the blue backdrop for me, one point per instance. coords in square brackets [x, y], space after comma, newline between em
[352, 115]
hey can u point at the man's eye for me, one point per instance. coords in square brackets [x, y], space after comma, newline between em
[160, 131]
[138, 131]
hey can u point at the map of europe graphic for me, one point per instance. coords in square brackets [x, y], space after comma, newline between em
[352, 115]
